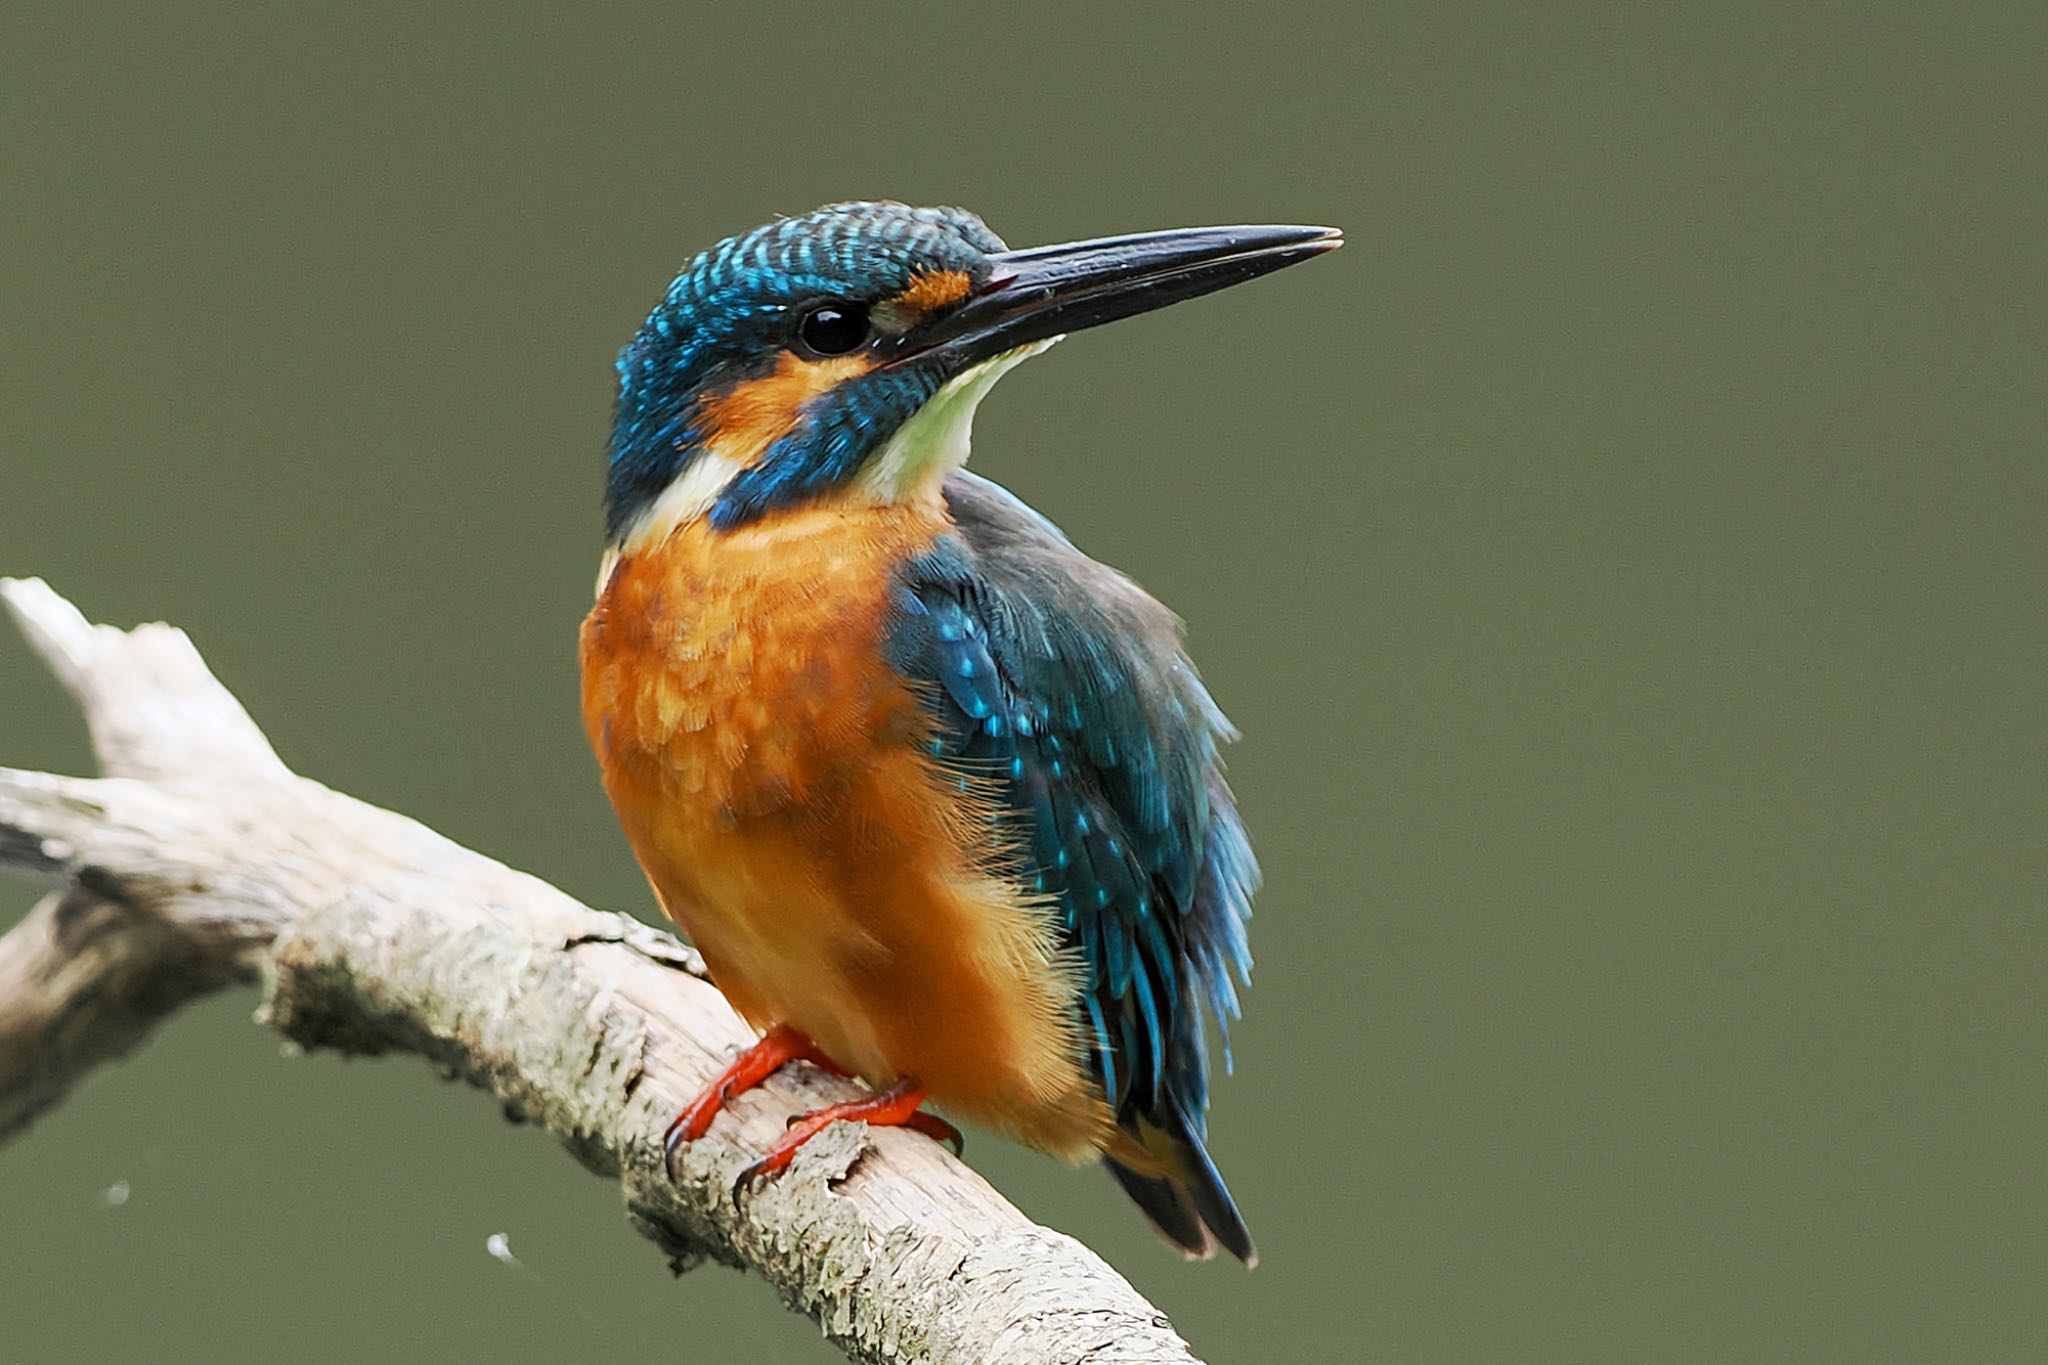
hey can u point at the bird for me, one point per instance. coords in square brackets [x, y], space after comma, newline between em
[937, 796]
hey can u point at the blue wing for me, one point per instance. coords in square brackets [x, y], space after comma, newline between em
[1067, 683]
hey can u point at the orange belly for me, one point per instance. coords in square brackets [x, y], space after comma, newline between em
[770, 772]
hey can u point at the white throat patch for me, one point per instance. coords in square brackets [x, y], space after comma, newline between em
[934, 442]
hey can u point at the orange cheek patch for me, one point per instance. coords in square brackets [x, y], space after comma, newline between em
[933, 290]
[741, 423]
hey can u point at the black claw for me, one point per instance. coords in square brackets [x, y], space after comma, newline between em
[747, 1176]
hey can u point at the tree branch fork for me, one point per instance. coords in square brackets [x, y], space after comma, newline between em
[199, 860]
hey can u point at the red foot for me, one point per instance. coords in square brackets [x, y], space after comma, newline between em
[896, 1107]
[779, 1045]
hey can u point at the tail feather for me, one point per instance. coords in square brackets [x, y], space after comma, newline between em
[1183, 1193]
[1169, 1208]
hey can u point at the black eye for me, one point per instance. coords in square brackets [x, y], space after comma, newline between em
[833, 329]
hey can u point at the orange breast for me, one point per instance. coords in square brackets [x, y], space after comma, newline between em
[769, 770]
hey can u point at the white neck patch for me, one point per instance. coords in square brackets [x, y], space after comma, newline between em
[688, 497]
[934, 442]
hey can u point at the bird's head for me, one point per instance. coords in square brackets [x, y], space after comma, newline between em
[846, 350]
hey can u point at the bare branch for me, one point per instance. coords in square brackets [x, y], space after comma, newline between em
[154, 707]
[201, 860]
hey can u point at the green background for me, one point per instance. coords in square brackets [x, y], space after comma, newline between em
[1625, 560]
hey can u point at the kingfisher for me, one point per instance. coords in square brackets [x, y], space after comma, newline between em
[936, 795]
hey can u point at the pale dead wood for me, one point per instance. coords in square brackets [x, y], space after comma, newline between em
[199, 859]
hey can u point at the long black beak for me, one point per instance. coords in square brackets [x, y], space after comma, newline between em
[1047, 290]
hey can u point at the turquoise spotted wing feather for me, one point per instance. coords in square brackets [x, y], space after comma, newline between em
[1066, 684]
